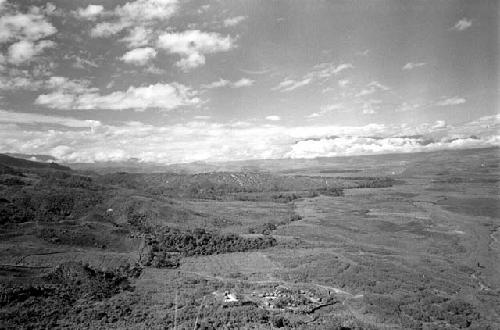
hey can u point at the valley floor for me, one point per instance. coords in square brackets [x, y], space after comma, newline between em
[423, 253]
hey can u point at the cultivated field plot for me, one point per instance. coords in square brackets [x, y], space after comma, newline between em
[241, 217]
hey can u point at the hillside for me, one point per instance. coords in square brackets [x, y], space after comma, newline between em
[10, 161]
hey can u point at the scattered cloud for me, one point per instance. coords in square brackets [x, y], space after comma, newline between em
[462, 24]
[91, 12]
[83, 63]
[19, 82]
[365, 92]
[343, 82]
[201, 140]
[406, 106]
[30, 69]
[289, 85]
[25, 51]
[376, 84]
[372, 87]
[24, 31]
[33, 118]
[26, 81]
[326, 70]
[135, 13]
[147, 10]
[202, 117]
[217, 84]
[352, 145]
[371, 107]
[313, 115]
[30, 27]
[329, 108]
[107, 29]
[139, 56]
[332, 107]
[439, 124]
[73, 86]
[243, 82]
[320, 72]
[363, 53]
[228, 22]
[49, 9]
[411, 65]
[255, 71]
[203, 9]
[138, 36]
[451, 101]
[160, 96]
[192, 45]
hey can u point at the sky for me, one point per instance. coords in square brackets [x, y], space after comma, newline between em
[170, 81]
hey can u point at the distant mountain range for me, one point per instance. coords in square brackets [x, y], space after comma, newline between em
[339, 164]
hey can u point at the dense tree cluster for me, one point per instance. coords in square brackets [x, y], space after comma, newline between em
[414, 310]
[65, 291]
[202, 242]
[47, 196]
[47, 205]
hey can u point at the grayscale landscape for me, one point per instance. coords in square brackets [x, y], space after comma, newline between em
[250, 164]
[370, 242]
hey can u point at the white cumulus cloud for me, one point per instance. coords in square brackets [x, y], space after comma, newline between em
[161, 96]
[139, 56]
[411, 65]
[20, 26]
[24, 51]
[451, 101]
[192, 45]
[90, 12]
[439, 124]
[372, 87]
[343, 82]
[289, 85]
[202, 140]
[243, 82]
[138, 36]
[33, 118]
[217, 84]
[371, 106]
[233, 21]
[135, 13]
[462, 24]
[24, 31]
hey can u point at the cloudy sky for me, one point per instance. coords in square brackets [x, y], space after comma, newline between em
[178, 81]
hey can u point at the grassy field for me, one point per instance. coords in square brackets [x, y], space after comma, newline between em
[384, 242]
